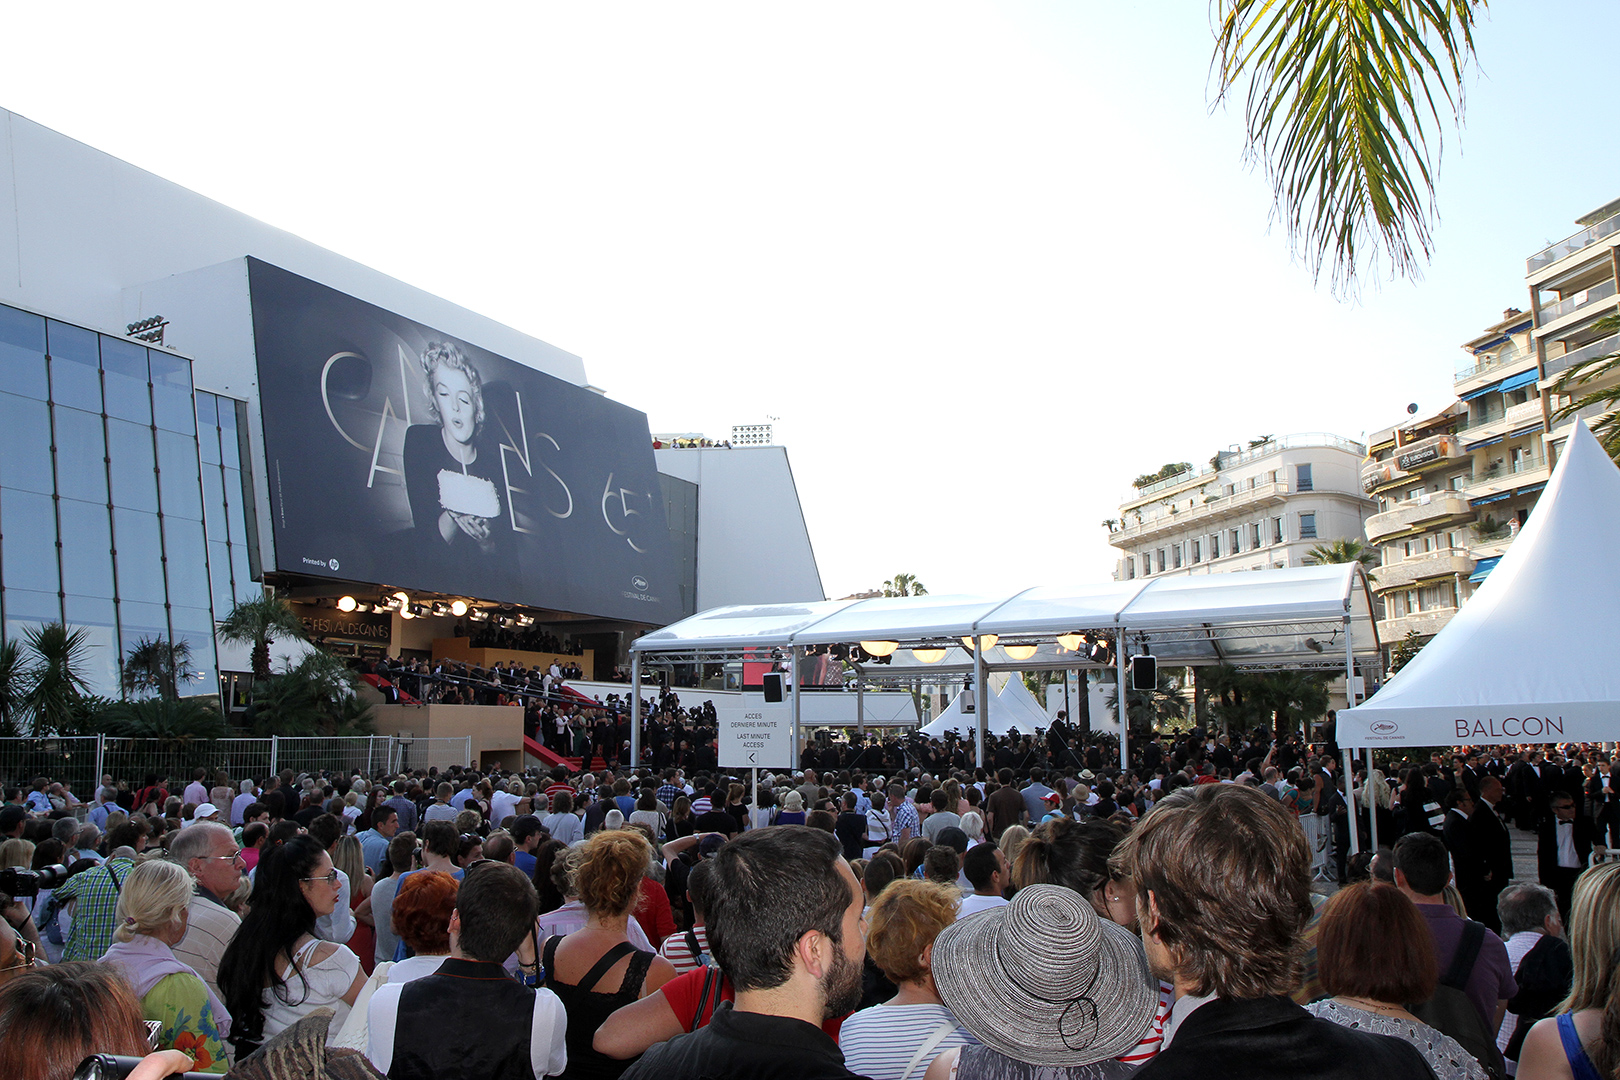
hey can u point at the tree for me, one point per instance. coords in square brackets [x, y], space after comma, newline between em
[11, 688]
[1403, 653]
[1592, 386]
[177, 723]
[155, 666]
[1342, 106]
[904, 585]
[1280, 700]
[259, 622]
[1147, 709]
[316, 696]
[1342, 551]
[56, 683]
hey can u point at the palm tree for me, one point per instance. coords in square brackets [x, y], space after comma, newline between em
[1342, 106]
[155, 666]
[1147, 709]
[11, 688]
[1592, 386]
[57, 683]
[904, 585]
[1342, 551]
[258, 622]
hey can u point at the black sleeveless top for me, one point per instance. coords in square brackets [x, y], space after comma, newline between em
[587, 1008]
[467, 1021]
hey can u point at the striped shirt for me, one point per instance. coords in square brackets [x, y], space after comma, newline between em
[678, 951]
[1154, 1039]
[879, 1042]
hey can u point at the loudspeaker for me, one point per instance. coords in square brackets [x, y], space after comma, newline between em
[1144, 673]
[773, 687]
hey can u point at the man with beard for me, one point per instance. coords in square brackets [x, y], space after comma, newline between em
[785, 925]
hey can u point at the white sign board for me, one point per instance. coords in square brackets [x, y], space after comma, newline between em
[755, 734]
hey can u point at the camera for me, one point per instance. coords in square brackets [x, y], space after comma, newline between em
[116, 1067]
[16, 882]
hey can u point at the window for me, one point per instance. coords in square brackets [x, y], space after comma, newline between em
[1162, 564]
[1307, 526]
[1215, 545]
[1251, 483]
[1302, 478]
[1255, 538]
[1458, 482]
[1235, 537]
[1197, 551]
[1130, 569]
[1276, 530]
[1231, 489]
[1175, 556]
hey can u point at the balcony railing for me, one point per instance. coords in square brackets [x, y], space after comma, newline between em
[1570, 245]
[1431, 507]
[1601, 291]
[1523, 413]
[1214, 507]
[1430, 564]
[1231, 461]
[1586, 353]
[1491, 363]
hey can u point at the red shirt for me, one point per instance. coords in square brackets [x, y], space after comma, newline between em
[653, 913]
[683, 991]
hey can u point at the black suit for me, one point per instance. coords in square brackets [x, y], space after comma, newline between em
[1272, 1037]
[1561, 879]
[1485, 865]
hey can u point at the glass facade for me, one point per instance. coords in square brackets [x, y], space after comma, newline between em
[120, 514]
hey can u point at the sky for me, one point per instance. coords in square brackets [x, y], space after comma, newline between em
[980, 264]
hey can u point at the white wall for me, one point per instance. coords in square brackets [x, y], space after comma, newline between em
[753, 545]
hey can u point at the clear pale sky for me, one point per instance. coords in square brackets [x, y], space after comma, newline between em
[983, 263]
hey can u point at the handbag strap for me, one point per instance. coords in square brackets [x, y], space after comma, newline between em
[927, 1047]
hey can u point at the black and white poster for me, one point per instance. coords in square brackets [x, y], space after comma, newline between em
[402, 456]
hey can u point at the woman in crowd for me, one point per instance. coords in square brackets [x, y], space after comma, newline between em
[562, 823]
[764, 815]
[898, 1038]
[737, 805]
[973, 824]
[275, 970]
[792, 812]
[1375, 953]
[551, 898]
[52, 1018]
[379, 906]
[52, 937]
[596, 969]
[152, 918]
[470, 849]
[348, 857]
[1050, 951]
[1011, 840]
[648, 814]
[17, 853]
[1075, 855]
[1419, 811]
[421, 912]
[1582, 1042]
[913, 853]
[681, 821]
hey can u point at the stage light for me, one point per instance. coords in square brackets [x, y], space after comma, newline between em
[1070, 641]
[346, 603]
[440, 608]
[458, 608]
[1313, 645]
[525, 620]
[880, 648]
[1020, 652]
[986, 641]
[405, 612]
[928, 656]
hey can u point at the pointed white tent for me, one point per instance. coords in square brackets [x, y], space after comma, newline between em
[1532, 657]
[954, 718]
[1012, 707]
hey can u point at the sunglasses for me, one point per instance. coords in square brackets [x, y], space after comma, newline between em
[330, 879]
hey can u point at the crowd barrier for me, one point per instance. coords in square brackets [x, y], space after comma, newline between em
[80, 761]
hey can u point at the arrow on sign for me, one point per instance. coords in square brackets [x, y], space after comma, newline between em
[753, 758]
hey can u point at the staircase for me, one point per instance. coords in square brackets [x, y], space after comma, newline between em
[550, 758]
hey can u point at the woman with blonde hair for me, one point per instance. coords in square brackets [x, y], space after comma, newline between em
[1012, 842]
[1582, 1040]
[17, 853]
[152, 918]
[973, 824]
[596, 969]
[349, 857]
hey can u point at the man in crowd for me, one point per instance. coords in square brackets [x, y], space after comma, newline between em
[1234, 963]
[1422, 870]
[209, 853]
[986, 870]
[196, 792]
[246, 797]
[1543, 966]
[1035, 793]
[527, 835]
[1564, 845]
[403, 806]
[689, 951]
[788, 931]
[943, 817]
[470, 1020]
[1005, 806]
[94, 896]
[374, 841]
[850, 828]
[1486, 859]
[903, 823]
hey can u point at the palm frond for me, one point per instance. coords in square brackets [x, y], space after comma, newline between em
[1343, 107]
[1584, 384]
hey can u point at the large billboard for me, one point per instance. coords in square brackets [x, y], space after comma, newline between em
[403, 456]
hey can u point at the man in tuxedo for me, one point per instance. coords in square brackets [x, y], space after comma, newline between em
[1486, 864]
[1563, 848]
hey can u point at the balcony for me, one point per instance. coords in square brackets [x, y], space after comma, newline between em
[1507, 476]
[1585, 354]
[1491, 545]
[1427, 623]
[1570, 245]
[1411, 458]
[1553, 312]
[1214, 508]
[1490, 425]
[1232, 461]
[1431, 564]
[1431, 506]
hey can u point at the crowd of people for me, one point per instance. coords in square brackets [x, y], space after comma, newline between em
[1052, 916]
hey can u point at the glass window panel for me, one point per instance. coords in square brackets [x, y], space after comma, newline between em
[81, 449]
[246, 588]
[25, 444]
[194, 627]
[234, 496]
[98, 620]
[28, 541]
[213, 498]
[124, 365]
[27, 610]
[140, 556]
[188, 562]
[207, 409]
[22, 353]
[219, 574]
[208, 427]
[86, 549]
[134, 484]
[230, 450]
[75, 366]
[171, 392]
[141, 621]
[177, 476]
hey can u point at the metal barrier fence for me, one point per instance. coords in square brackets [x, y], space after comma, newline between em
[81, 761]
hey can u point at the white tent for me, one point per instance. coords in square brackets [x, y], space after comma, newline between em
[1012, 707]
[1532, 657]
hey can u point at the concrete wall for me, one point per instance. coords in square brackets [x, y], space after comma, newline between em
[455, 648]
[496, 731]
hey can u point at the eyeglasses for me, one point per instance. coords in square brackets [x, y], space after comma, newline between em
[330, 879]
[235, 856]
[23, 958]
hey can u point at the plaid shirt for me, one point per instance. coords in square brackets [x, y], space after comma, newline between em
[95, 917]
[668, 793]
[905, 816]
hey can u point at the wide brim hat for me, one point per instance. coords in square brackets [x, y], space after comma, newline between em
[1045, 980]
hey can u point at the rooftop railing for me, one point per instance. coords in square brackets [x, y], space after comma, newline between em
[1601, 291]
[1231, 461]
[1571, 244]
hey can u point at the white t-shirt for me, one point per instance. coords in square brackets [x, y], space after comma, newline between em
[548, 1047]
[328, 981]
[880, 1042]
[973, 903]
[502, 805]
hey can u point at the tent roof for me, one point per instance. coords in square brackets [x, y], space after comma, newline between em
[1266, 618]
[1530, 657]
[1013, 707]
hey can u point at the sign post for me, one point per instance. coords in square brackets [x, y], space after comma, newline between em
[755, 734]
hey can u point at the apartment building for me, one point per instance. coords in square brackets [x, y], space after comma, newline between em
[1251, 508]
[1572, 290]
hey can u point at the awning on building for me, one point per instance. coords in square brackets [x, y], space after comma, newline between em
[1489, 499]
[1483, 569]
[1502, 386]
